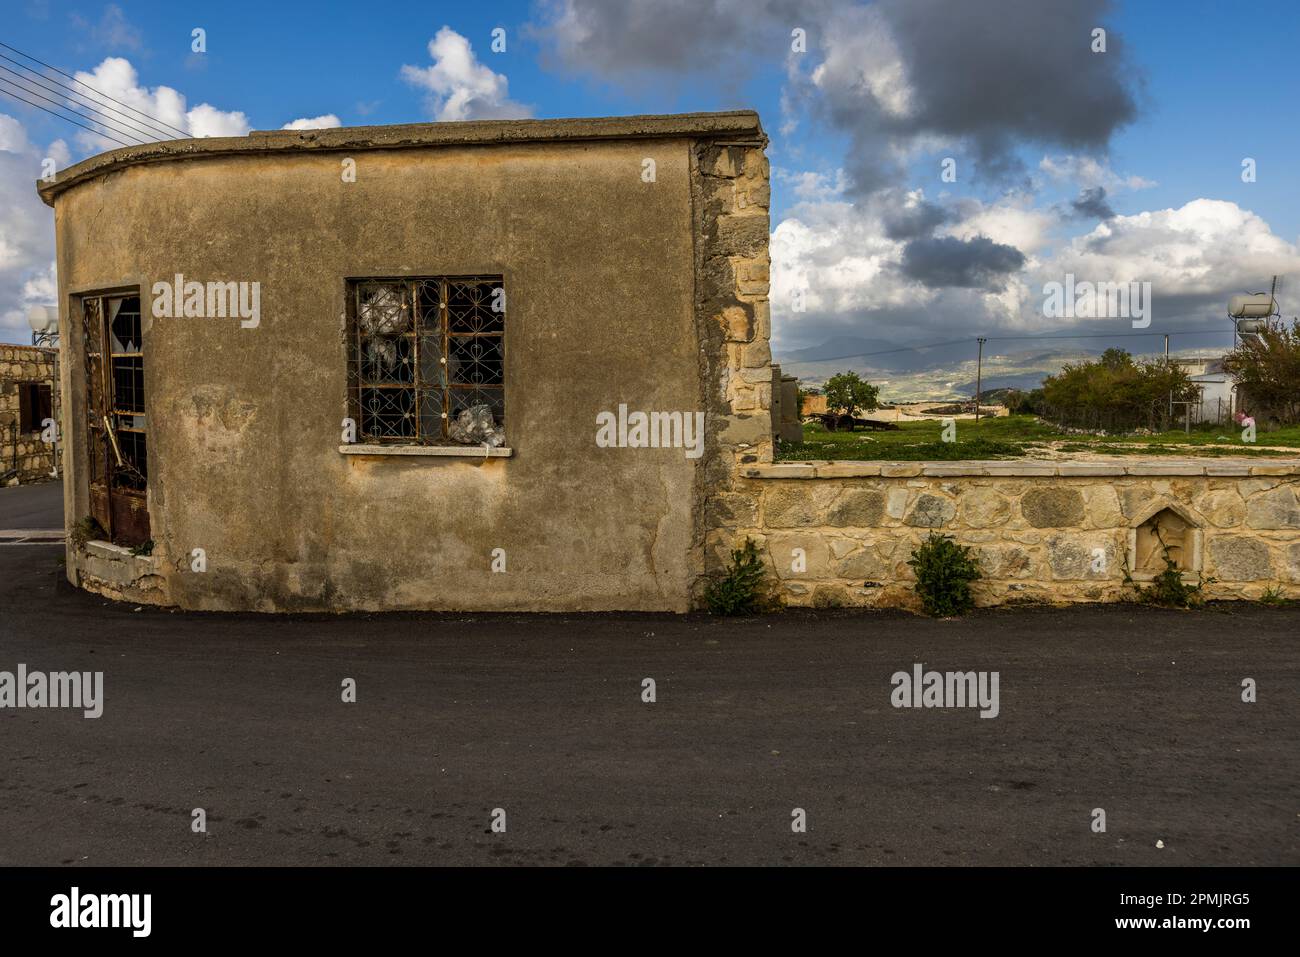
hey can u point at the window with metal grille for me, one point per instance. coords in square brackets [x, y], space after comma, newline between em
[422, 352]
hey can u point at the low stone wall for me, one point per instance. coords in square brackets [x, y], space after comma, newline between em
[1042, 531]
[20, 448]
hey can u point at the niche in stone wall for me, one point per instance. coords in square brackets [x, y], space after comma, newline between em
[1167, 530]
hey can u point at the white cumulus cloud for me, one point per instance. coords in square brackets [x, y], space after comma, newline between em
[326, 122]
[1198, 254]
[26, 230]
[459, 86]
[117, 79]
[853, 280]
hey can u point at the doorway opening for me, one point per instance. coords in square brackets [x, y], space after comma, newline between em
[116, 420]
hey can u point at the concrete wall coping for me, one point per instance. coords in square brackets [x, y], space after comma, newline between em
[438, 451]
[1213, 468]
[742, 126]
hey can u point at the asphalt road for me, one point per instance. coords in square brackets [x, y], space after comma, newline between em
[32, 506]
[1133, 710]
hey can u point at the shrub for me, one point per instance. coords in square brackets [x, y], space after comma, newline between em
[944, 571]
[743, 589]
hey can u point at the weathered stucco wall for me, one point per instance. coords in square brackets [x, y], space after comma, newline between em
[24, 457]
[1036, 528]
[600, 270]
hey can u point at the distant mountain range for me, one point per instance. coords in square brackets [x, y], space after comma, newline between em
[879, 353]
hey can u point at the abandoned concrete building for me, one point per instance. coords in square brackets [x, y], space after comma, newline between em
[520, 365]
[367, 368]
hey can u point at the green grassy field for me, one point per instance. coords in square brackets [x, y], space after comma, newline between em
[1018, 436]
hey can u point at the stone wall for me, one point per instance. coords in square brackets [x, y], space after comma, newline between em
[23, 450]
[1042, 531]
[731, 196]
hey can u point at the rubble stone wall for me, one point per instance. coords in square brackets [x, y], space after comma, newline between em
[23, 450]
[1052, 532]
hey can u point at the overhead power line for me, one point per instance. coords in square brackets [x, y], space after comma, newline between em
[101, 120]
[1115, 335]
[150, 132]
[87, 86]
[64, 118]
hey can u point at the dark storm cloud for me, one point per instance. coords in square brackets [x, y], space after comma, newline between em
[914, 222]
[992, 75]
[1092, 204]
[631, 41]
[944, 261]
[987, 79]
[1019, 68]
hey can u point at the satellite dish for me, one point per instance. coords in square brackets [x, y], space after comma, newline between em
[44, 320]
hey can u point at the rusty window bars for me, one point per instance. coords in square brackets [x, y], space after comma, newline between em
[421, 351]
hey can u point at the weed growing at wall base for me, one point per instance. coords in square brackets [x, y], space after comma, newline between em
[743, 589]
[86, 530]
[1168, 589]
[944, 571]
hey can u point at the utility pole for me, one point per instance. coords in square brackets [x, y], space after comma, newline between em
[1170, 392]
[979, 377]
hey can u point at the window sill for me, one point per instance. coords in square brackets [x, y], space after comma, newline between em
[435, 451]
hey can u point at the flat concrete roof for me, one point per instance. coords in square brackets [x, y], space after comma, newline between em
[739, 126]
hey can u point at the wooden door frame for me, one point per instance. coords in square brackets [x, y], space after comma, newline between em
[104, 497]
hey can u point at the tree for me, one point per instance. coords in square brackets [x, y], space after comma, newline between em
[1267, 370]
[1116, 359]
[1117, 392]
[848, 393]
[1020, 402]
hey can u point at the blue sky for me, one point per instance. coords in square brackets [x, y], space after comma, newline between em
[854, 147]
